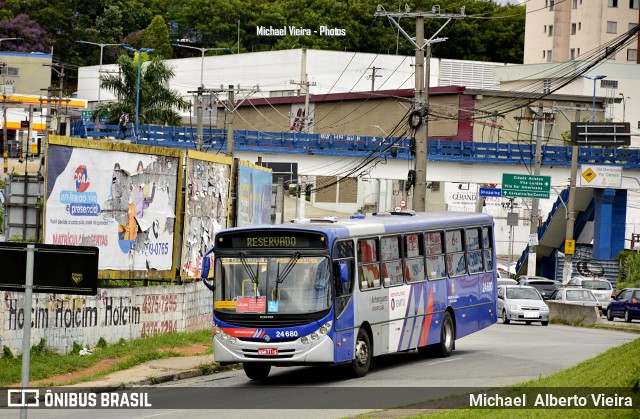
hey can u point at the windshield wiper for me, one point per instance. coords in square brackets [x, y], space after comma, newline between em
[285, 272]
[252, 275]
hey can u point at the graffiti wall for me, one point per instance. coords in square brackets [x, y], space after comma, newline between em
[254, 195]
[206, 207]
[123, 202]
[114, 314]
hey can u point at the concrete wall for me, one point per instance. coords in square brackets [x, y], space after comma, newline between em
[572, 313]
[114, 314]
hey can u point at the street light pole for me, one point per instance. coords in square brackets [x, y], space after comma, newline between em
[593, 102]
[202, 50]
[100, 69]
[9, 39]
[139, 52]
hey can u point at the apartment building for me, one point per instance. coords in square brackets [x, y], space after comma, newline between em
[562, 30]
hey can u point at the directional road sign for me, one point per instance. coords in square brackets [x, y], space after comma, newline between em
[490, 192]
[525, 186]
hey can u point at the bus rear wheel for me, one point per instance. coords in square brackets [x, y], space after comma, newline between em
[362, 359]
[256, 371]
[447, 337]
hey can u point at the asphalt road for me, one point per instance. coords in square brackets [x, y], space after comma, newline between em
[498, 356]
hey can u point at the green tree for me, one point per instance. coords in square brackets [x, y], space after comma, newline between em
[157, 37]
[158, 103]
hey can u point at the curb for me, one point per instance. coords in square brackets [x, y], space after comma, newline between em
[159, 379]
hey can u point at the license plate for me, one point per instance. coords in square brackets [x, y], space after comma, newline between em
[530, 315]
[268, 351]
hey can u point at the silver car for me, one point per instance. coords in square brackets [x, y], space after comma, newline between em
[601, 288]
[578, 296]
[521, 303]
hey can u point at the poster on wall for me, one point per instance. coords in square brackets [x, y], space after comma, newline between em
[299, 121]
[206, 207]
[254, 195]
[124, 203]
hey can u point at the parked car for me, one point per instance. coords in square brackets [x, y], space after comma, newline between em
[507, 281]
[544, 285]
[521, 303]
[626, 305]
[577, 296]
[602, 288]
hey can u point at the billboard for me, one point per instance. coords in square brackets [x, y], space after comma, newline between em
[120, 198]
[206, 207]
[253, 195]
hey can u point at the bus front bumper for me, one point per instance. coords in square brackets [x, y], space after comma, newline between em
[295, 352]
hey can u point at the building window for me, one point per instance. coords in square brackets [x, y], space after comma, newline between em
[573, 28]
[632, 54]
[549, 55]
[550, 30]
[544, 53]
[573, 54]
[551, 4]
[545, 28]
[613, 3]
[608, 84]
[612, 27]
[633, 4]
[579, 25]
[632, 26]
[578, 52]
[574, 4]
[9, 71]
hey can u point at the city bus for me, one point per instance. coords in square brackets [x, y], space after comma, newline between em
[329, 291]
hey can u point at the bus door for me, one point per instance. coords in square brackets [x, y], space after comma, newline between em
[343, 274]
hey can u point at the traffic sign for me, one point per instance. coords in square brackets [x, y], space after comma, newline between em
[496, 192]
[525, 186]
[398, 208]
[403, 203]
[592, 176]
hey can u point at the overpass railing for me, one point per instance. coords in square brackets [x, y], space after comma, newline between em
[361, 146]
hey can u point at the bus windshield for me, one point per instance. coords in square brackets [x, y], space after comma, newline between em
[292, 284]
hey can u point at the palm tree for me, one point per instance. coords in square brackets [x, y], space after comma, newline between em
[158, 103]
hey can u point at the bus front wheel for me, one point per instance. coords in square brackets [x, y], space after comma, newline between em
[362, 359]
[256, 371]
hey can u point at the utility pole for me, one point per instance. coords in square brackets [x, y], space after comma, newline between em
[230, 107]
[535, 202]
[304, 85]
[229, 121]
[373, 77]
[5, 137]
[418, 119]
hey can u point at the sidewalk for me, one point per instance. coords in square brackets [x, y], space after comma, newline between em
[153, 372]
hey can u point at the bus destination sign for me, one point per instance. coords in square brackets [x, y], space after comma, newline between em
[271, 240]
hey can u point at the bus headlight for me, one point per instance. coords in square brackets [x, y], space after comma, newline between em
[322, 331]
[223, 335]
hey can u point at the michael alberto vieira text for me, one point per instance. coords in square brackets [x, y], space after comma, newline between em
[549, 400]
[295, 31]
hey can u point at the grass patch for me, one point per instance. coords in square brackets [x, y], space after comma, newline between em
[46, 364]
[615, 368]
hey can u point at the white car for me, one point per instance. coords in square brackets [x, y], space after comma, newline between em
[521, 303]
[602, 289]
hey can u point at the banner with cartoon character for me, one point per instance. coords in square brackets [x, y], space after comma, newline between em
[253, 195]
[123, 202]
[206, 207]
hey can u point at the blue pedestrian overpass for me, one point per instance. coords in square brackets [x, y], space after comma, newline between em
[452, 161]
